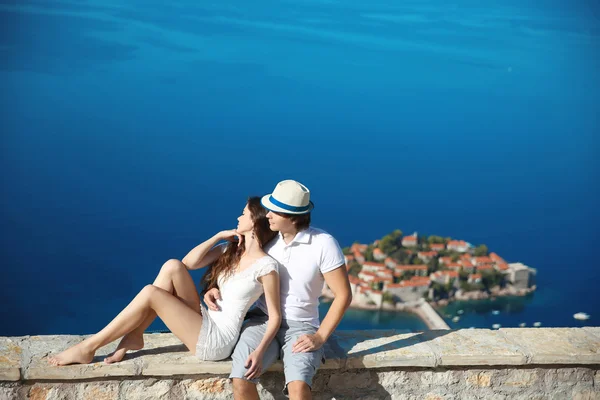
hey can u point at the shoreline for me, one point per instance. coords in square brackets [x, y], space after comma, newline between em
[423, 310]
[428, 312]
[478, 295]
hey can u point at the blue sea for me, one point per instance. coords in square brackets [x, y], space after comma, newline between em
[131, 131]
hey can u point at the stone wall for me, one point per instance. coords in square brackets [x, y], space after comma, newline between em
[559, 363]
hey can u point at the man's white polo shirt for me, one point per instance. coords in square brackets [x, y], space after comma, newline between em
[312, 253]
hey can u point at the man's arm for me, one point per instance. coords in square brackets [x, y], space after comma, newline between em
[337, 280]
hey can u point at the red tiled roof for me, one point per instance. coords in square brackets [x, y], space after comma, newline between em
[410, 267]
[457, 243]
[484, 267]
[373, 264]
[475, 276]
[358, 247]
[410, 283]
[503, 266]
[367, 273]
[495, 257]
[411, 238]
[451, 274]
[437, 246]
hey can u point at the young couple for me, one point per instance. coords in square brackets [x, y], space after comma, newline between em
[279, 262]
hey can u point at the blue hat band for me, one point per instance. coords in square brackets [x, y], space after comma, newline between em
[288, 207]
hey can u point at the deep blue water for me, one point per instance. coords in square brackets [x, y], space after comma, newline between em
[133, 131]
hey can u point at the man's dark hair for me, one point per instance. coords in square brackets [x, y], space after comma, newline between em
[300, 221]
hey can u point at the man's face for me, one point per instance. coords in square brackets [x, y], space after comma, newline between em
[279, 223]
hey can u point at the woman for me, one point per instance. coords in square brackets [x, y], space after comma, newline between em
[241, 271]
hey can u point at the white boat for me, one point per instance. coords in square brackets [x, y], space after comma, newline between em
[581, 316]
[455, 319]
[460, 312]
[522, 325]
[537, 324]
[495, 312]
[496, 326]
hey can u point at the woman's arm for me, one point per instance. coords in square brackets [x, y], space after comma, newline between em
[270, 284]
[205, 253]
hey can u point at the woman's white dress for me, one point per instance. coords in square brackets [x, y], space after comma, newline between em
[221, 329]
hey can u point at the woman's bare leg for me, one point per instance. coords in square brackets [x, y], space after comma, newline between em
[175, 278]
[183, 321]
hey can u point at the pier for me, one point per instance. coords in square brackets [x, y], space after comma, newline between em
[431, 318]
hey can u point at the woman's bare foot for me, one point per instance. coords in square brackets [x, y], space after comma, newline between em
[128, 342]
[77, 354]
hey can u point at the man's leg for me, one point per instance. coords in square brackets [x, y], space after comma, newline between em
[299, 390]
[252, 333]
[299, 368]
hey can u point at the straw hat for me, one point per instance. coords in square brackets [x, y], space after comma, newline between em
[289, 197]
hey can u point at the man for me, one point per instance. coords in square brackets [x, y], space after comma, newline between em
[307, 257]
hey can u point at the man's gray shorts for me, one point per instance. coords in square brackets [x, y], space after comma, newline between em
[296, 366]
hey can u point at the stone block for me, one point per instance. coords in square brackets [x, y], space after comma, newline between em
[10, 359]
[479, 379]
[48, 391]
[348, 381]
[519, 378]
[439, 396]
[40, 347]
[39, 391]
[592, 330]
[556, 345]
[470, 347]
[394, 380]
[210, 388]
[9, 392]
[376, 349]
[568, 377]
[438, 378]
[149, 389]
[586, 395]
[99, 391]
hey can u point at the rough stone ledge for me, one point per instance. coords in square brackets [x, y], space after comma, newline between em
[25, 358]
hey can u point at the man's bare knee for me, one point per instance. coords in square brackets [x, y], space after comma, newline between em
[243, 389]
[299, 390]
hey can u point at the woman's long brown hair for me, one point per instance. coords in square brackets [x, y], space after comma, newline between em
[230, 258]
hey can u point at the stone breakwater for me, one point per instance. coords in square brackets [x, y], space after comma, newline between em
[544, 363]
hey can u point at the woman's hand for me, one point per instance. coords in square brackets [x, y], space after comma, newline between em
[254, 365]
[230, 235]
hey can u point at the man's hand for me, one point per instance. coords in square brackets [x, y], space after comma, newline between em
[254, 365]
[306, 343]
[211, 297]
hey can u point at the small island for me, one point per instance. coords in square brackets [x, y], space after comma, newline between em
[410, 273]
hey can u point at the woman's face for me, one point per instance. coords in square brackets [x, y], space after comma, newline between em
[245, 224]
